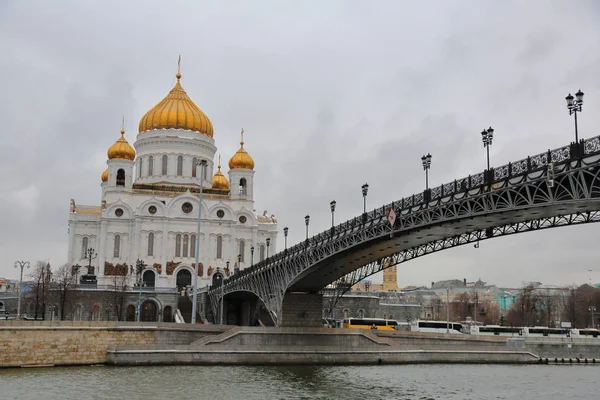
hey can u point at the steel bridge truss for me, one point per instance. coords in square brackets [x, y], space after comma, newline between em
[552, 182]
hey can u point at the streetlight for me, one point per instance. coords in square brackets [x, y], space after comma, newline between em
[285, 233]
[365, 190]
[268, 244]
[447, 310]
[222, 279]
[251, 256]
[139, 266]
[574, 106]
[307, 221]
[486, 137]
[332, 206]
[592, 311]
[236, 270]
[426, 161]
[21, 264]
[202, 164]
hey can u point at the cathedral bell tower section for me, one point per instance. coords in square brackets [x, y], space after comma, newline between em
[119, 175]
[241, 174]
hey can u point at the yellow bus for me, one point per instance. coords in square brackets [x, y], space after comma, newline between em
[371, 323]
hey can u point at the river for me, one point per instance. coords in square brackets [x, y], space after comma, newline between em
[303, 382]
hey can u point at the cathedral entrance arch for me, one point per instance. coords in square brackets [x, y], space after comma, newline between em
[168, 314]
[184, 279]
[217, 279]
[130, 313]
[149, 311]
[149, 278]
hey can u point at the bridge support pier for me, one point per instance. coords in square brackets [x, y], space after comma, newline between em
[302, 309]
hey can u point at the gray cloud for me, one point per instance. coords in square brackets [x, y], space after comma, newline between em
[331, 95]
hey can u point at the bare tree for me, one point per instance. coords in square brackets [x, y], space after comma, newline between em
[41, 277]
[63, 280]
[119, 287]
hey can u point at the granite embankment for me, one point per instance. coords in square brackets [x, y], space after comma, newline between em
[120, 343]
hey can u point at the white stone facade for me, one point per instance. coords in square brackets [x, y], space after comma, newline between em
[147, 214]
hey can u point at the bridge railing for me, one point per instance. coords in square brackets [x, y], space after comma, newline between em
[586, 147]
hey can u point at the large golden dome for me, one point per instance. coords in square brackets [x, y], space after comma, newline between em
[241, 159]
[219, 181]
[121, 150]
[176, 111]
[105, 175]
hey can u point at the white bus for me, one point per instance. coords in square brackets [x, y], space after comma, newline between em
[436, 327]
[496, 330]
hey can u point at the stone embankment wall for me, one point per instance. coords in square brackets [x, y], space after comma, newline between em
[83, 343]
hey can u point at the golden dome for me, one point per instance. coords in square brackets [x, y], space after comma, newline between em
[176, 111]
[219, 181]
[241, 159]
[105, 175]
[121, 150]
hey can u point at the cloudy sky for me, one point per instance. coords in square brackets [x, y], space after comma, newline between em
[331, 94]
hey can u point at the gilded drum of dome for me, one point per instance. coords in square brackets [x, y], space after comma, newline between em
[176, 111]
[121, 149]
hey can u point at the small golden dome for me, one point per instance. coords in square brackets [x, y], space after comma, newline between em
[105, 175]
[241, 159]
[176, 111]
[121, 150]
[219, 181]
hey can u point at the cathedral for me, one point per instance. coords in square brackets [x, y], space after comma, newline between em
[150, 206]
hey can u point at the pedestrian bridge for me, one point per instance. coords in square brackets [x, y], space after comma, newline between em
[555, 188]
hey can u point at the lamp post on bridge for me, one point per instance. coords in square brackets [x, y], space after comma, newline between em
[574, 105]
[202, 164]
[139, 266]
[486, 137]
[365, 190]
[268, 245]
[307, 221]
[332, 207]
[426, 161]
[592, 311]
[251, 256]
[21, 264]
[285, 233]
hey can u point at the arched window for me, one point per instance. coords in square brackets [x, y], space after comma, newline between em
[165, 160]
[179, 165]
[193, 246]
[121, 177]
[185, 245]
[243, 188]
[360, 313]
[178, 245]
[194, 162]
[242, 250]
[262, 252]
[219, 246]
[346, 313]
[150, 165]
[151, 244]
[139, 167]
[84, 247]
[117, 248]
[205, 172]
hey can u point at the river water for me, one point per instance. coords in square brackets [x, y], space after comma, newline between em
[304, 382]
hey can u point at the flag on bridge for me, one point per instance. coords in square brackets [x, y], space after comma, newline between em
[391, 216]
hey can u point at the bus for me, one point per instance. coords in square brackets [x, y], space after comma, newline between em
[496, 330]
[436, 327]
[588, 332]
[371, 323]
[541, 331]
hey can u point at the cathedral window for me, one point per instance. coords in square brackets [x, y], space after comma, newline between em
[219, 247]
[139, 167]
[243, 188]
[194, 162]
[150, 244]
[117, 248]
[121, 177]
[179, 165]
[178, 245]
[84, 246]
[150, 165]
[242, 250]
[185, 245]
[205, 172]
[262, 252]
[165, 160]
[193, 246]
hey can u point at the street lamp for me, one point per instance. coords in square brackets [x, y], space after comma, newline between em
[20, 264]
[268, 244]
[426, 161]
[486, 137]
[251, 256]
[592, 311]
[365, 190]
[307, 221]
[332, 206]
[574, 106]
[285, 233]
[447, 310]
[202, 164]
[236, 270]
[139, 266]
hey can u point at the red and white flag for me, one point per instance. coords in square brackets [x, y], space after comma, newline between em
[391, 216]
